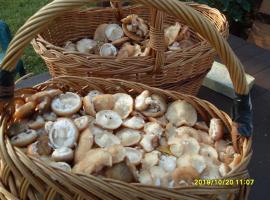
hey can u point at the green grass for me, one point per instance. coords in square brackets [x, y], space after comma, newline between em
[15, 13]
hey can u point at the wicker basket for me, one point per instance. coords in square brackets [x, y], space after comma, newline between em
[181, 70]
[29, 178]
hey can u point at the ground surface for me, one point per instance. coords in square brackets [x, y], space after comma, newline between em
[257, 63]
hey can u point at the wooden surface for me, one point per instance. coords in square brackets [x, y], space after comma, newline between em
[257, 63]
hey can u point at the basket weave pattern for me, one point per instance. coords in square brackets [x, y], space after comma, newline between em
[181, 70]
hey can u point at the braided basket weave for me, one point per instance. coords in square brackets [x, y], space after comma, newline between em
[181, 70]
[29, 178]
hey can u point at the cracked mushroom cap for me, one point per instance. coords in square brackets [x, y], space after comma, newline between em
[140, 104]
[134, 122]
[157, 106]
[113, 32]
[108, 49]
[63, 133]
[187, 174]
[118, 153]
[150, 159]
[153, 128]
[181, 113]
[106, 140]
[63, 154]
[103, 102]
[123, 104]
[86, 45]
[108, 119]
[66, 104]
[129, 137]
[133, 155]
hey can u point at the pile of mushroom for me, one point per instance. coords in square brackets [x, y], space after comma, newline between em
[142, 139]
[129, 39]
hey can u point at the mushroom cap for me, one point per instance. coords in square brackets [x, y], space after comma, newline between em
[63, 133]
[224, 169]
[63, 154]
[171, 33]
[48, 126]
[89, 106]
[177, 149]
[211, 171]
[161, 120]
[50, 116]
[61, 165]
[145, 177]
[86, 45]
[160, 176]
[191, 145]
[140, 103]
[128, 50]
[185, 130]
[16, 127]
[66, 104]
[150, 159]
[181, 113]
[134, 122]
[187, 174]
[69, 46]
[38, 123]
[205, 138]
[108, 119]
[108, 49]
[221, 145]
[120, 172]
[133, 155]
[123, 104]
[43, 146]
[83, 122]
[94, 93]
[103, 102]
[129, 137]
[24, 139]
[216, 130]
[106, 140]
[25, 110]
[118, 153]
[196, 161]
[230, 150]
[201, 126]
[98, 131]
[114, 32]
[85, 143]
[168, 163]
[153, 128]
[149, 142]
[209, 151]
[32, 149]
[157, 106]
[100, 35]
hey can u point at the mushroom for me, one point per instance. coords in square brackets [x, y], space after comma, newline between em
[170, 131]
[163, 142]
[108, 119]
[133, 155]
[123, 104]
[171, 33]
[86, 45]
[201, 126]
[195, 161]
[154, 129]
[221, 145]
[61, 165]
[17, 127]
[129, 137]
[106, 140]
[63, 154]
[177, 149]
[25, 110]
[83, 122]
[69, 46]
[205, 138]
[108, 49]
[48, 126]
[157, 106]
[98, 131]
[224, 169]
[63, 133]
[140, 104]
[50, 116]
[113, 32]
[66, 104]
[46, 93]
[149, 142]
[120, 42]
[181, 113]
[103, 102]
[186, 174]
[230, 150]
[150, 159]
[168, 163]
[208, 151]
[44, 104]
[94, 161]
[120, 172]
[225, 158]
[100, 35]
[89, 106]
[145, 177]
[160, 176]
[42, 145]
[118, 153]
[216, 130]
[161, 120]
[184, 33]
[38, 123]
[191, 145]
[32, 150]
[185, 130]
[211, 171]
[85, 143]
[25, 138]
[134, 123]
[129, 50]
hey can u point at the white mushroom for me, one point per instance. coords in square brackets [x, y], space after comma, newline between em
[106, 140]
[160, 176]
[108, 119]
[113, 32]
[181, 113]
[150, 159]
[100, 35]
[98, 131]
[191, 145]
[38, 123]
[48, 126]
[205, 138]
[211, 171]
[108, 49]
[128, 50]
[140, 103]
[86, 45]
[171, 33]
[83, 122]
[145, 177]
[66, 104]
[25, 138]
[177, 149]
[216, 130]
[63, 154]
[123, 104]
[69, 46]
[129, 137]
[134, 122]
[118, 153]
[61, 165]
[208, 151]
[161, 120]
[63, 133]
[133, 155]
[196, 161]
[168, 163]
[154, 129]
[120, 172]
[185, 130]
[157, 106]
[149, 142]
[230, 150]
[103, 102]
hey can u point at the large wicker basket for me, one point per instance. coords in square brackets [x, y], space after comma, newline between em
[181, 70]
[29, 178]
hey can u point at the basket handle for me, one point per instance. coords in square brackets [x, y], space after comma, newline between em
[194, 19]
